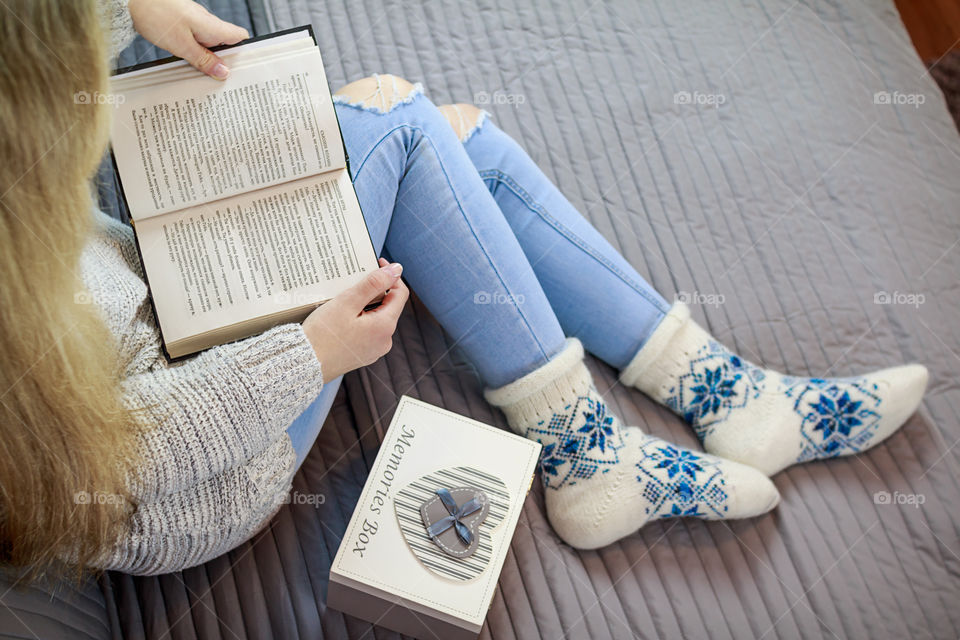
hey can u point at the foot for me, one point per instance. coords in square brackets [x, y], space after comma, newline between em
[760, 417]
[603, 480]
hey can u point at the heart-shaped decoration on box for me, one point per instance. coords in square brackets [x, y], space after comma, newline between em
[453, 517]
[418, 506]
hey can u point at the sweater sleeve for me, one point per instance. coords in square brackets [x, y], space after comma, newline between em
[219, 409]
[190, 527]
[119, 24]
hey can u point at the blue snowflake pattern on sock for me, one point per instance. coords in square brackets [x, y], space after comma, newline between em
[578, 442]
[716, 383]
[839, 415]
[680, 482]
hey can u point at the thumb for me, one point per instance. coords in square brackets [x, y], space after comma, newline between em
[207, 61]
[374, 284]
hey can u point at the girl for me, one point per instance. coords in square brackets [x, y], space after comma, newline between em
[115, 458]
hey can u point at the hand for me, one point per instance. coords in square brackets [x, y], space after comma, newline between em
[344, 336]
[186, 29]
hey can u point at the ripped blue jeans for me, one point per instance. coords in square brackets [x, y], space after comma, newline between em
[501, 259]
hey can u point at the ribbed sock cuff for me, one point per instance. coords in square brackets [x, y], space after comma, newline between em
[548, 389]
[651, 351]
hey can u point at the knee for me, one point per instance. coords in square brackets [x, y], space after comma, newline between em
[464, 118]
[381, 92]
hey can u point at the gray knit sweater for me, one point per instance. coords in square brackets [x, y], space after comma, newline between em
[215, 461]
[116, 18]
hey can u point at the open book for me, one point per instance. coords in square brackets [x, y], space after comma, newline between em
[239, 191]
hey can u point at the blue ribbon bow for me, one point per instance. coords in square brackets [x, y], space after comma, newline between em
[453, 520]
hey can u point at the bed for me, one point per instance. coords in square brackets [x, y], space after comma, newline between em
[789, 168]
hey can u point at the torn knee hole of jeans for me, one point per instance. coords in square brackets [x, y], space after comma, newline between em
[384, 97]
[464, 127]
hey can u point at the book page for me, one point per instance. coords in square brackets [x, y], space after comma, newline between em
[197, 140]
[255, 254]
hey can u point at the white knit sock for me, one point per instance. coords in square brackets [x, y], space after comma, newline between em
[603, 480]
[760, 417]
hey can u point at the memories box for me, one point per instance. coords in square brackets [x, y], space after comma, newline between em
[427, 540]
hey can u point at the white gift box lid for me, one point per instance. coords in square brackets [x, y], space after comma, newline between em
[375, 575]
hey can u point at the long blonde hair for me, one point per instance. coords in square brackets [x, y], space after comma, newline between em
[66, 435]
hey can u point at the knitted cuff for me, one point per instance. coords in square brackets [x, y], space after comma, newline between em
[283, 366]
[554, 385]
[656, 344]
[118, 25]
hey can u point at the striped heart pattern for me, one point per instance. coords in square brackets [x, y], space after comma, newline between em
[407, 505]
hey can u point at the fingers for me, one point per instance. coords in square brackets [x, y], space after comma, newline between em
[393, 302]
[186, 29]
[209, 30]
[382, 321]
[205, 60]
[374, 284]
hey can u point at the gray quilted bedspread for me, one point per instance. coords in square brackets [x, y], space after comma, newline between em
[788, 166]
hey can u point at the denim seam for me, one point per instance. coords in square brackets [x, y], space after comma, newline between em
[456, 198]
[538, 209]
